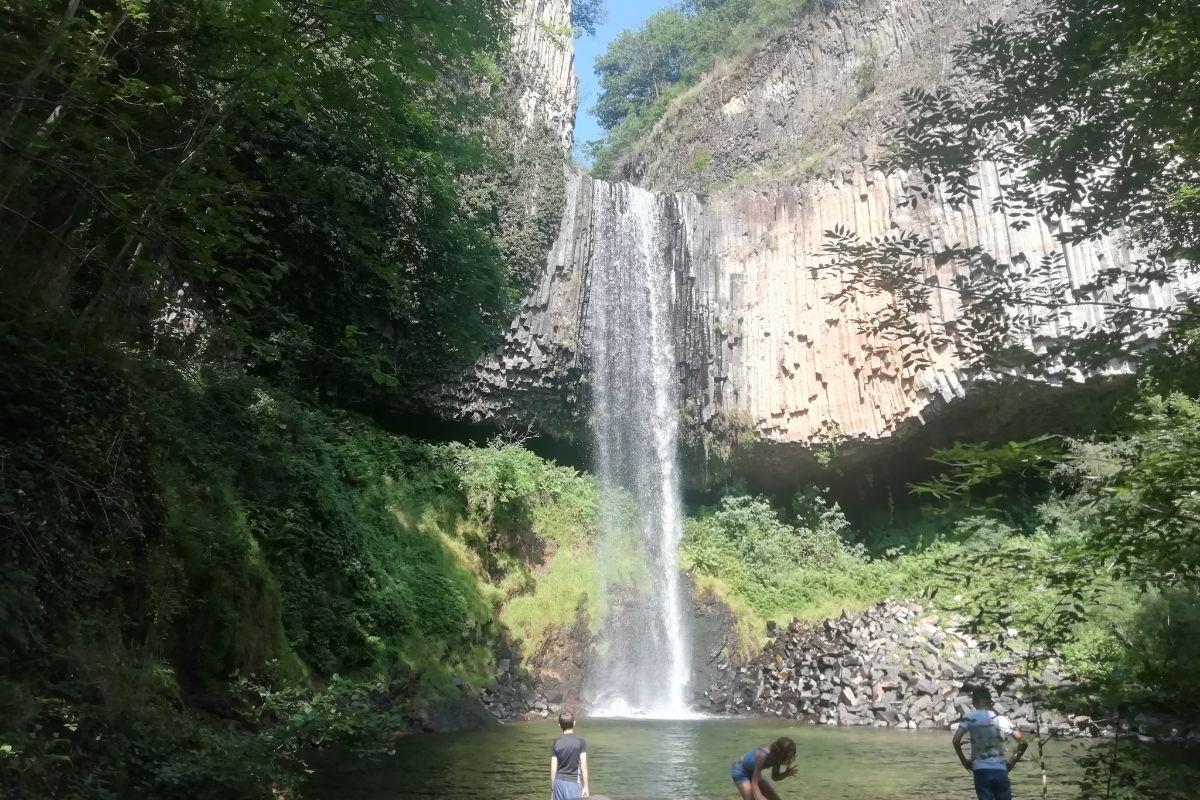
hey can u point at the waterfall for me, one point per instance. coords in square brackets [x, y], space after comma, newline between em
[643, 665]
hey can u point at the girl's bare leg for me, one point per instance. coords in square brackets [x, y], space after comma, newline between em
[744, 790]
[768, 790]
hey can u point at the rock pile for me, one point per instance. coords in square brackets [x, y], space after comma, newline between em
[515, 695]
[893, 665]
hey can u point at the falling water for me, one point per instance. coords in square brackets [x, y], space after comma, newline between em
[643, 667]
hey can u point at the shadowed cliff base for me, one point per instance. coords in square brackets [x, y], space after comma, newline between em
[864, 473]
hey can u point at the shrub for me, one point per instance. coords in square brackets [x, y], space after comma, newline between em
[774, 567]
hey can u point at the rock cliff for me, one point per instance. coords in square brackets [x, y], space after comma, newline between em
[763, 347]
[789, 134]
[544, 49]
[529, 126]
[893, 665]
[817, 95]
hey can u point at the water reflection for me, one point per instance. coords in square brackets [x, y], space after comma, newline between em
[678, 743]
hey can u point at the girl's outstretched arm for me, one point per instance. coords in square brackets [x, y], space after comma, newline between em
[778, 774]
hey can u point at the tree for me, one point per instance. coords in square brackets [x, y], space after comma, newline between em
[586, 15]
[277, 183]
[638, 66]
[643, 70]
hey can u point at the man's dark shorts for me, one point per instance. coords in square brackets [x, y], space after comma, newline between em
[993, 784]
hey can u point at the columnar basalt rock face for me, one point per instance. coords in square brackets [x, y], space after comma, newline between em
[536, 375]
[758, 336]
[799, 367]
[789, 135]
[543, 46]
[762, 346]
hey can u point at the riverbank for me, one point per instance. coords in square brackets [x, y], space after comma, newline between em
[897, 664]
[228, 574]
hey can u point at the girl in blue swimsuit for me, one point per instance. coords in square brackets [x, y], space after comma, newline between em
[747, 771]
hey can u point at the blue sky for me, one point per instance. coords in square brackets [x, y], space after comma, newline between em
[621, 14]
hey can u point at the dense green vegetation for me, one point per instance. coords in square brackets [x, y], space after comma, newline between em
[644, 70]
[586, 15]
[1046, 570]
[223, 225]
[192, 548]
[229, 229]
[1084, 551]
[297, 187]
[1088, 110]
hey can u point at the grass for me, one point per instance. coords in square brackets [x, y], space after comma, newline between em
[568, 586]
[804, 161]
[1132, 646]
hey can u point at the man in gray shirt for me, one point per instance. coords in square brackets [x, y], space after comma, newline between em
[568, 762]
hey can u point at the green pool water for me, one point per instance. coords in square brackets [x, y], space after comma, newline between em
[680, 760]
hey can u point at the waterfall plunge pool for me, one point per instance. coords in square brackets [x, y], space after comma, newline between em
[689, 760]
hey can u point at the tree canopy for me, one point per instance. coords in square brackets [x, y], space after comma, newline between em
[586, 15]
[299, 186]
[224, 225]
[1088, 111]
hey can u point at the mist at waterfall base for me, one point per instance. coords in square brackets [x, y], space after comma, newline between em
[642, 663]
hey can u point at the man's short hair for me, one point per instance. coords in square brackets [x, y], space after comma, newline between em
[981, 695]
[566, 720]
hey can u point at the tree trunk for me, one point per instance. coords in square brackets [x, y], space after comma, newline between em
[26, 86]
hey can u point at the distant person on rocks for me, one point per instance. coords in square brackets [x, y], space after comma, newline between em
[747, 771]
[568, 762]
[988, 730]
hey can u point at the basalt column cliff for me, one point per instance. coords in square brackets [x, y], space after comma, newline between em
[788, 137]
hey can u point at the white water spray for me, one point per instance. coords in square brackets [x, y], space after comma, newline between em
[644, 667]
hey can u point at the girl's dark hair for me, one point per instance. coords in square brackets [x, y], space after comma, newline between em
[783, 751]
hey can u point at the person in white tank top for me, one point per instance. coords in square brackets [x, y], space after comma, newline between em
[988, 764]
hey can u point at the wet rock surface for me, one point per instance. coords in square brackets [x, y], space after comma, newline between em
[894, 665]
[450, 714]
[516, 695]
[712, 632]
[549, 680]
